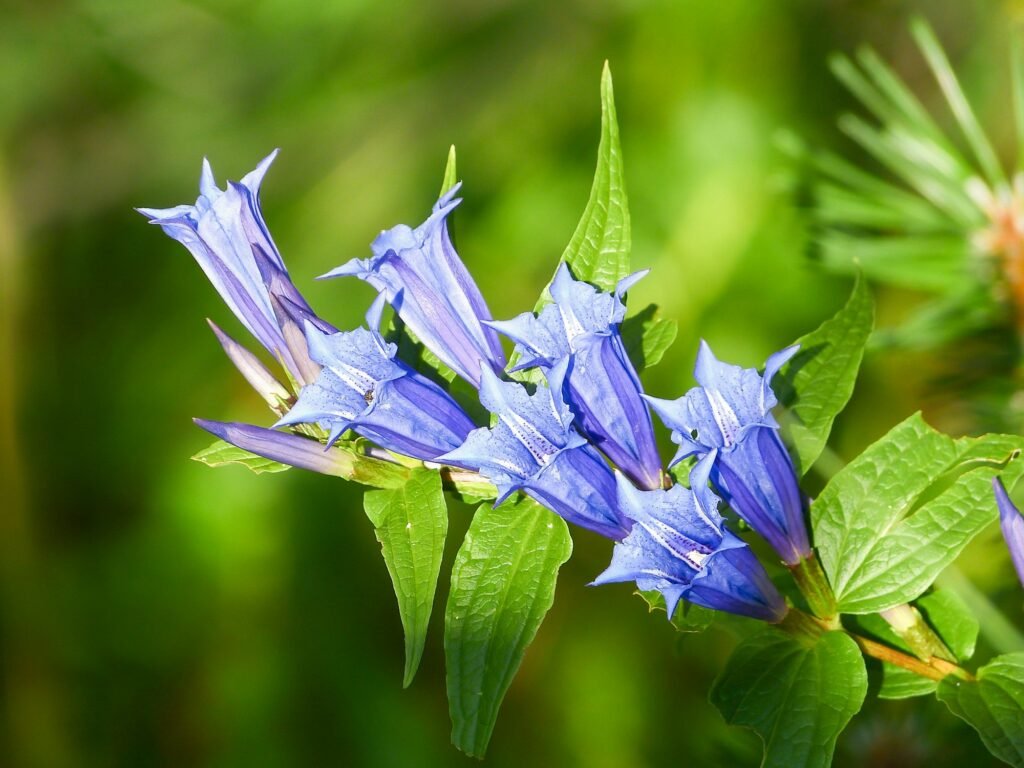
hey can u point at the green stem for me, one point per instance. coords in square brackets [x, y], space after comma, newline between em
[813, 583]
[800, 625]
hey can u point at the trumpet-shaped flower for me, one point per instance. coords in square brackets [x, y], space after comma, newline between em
[604, 391]
[1012, 523]
[428, 285]
[362, 386]
[679, 546]
[727, 423]
[226, 233]
[533, 447]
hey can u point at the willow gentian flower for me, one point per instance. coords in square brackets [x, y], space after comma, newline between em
[226, 233]
[1012, 523]
[582, 326]
[428, 285]
[363, 387]
[680, 547]
[534, 447]
[728, 424]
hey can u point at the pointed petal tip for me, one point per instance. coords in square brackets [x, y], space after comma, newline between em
[350, 268]
[376, 312]
[218, 332]
[1006, 506]
[218, 428]
[629, 281]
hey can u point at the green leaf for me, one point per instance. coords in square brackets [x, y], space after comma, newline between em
[899, 683]
[647, 336]
[948, 614]
[797, 696]
[451, 177]
[951, 619]
[598, 252]
[221, 453]
[688, 618]
[817, 383]
[503, 583]
[892, 519]
[993, 705]
[411, 523]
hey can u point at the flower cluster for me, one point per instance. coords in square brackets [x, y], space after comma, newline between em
[580, 440]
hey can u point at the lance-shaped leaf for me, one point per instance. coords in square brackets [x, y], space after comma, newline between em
[503, 583]
[599, 249]
[892, 519]
[993, 705]
[411, 523]
[817, 383]
[797, 695]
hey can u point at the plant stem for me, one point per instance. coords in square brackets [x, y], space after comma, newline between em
[933, 669]
[800, 625]
[813, 583]
[809, 628]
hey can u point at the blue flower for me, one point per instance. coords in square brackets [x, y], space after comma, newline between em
[582, 326]
[363, 387]
[1012, 523]
[533, 447]
[226, 233]
[680, 547]
[727, 423]
[428, 285]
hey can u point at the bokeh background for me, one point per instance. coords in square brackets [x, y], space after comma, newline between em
[156, 612]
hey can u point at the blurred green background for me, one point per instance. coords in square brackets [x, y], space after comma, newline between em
[156, 612]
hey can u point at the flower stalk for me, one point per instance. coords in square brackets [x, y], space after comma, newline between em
[814, 586]
[800, 625]
[933, 669]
